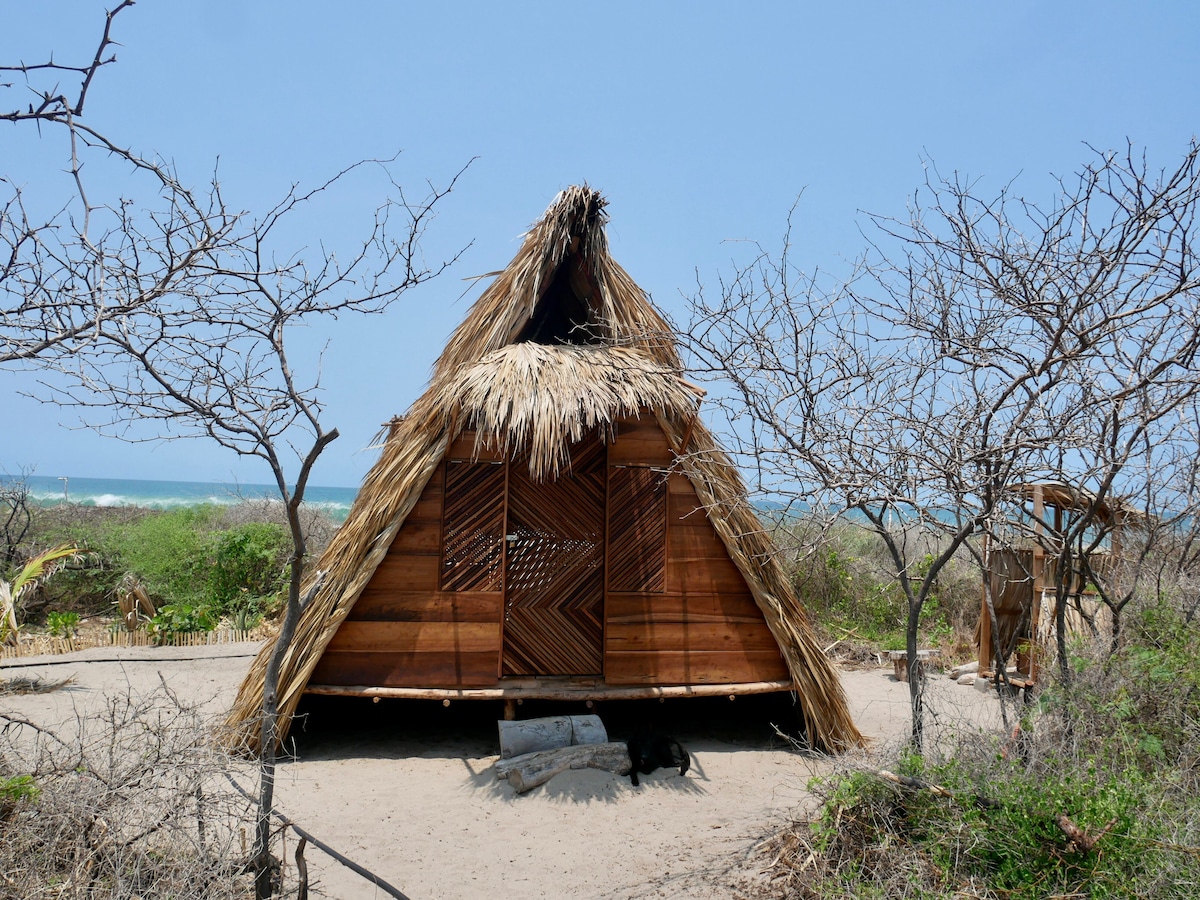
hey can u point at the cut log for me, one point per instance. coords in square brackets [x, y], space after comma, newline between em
[531, 769]
[531, 735]
[588, 730]
[970, 668]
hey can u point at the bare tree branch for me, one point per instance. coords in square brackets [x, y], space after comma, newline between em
[173, 319]
[982, 343]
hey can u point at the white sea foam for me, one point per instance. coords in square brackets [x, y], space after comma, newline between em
[109, 493]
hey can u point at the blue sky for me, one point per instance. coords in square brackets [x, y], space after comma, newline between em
[700, 121]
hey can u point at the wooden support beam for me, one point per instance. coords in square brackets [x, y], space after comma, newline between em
[552, 691]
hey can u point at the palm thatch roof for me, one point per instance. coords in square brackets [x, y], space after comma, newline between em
[503, 376]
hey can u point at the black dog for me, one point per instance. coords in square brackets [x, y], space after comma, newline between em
[648, 752]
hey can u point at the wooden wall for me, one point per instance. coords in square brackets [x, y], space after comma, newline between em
[703, 627]
[696, 623]
[406, 632]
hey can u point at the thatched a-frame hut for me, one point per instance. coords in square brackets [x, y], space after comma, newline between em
[551, 520]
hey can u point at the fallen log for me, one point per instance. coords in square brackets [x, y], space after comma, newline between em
[531, 769]
[529, 735]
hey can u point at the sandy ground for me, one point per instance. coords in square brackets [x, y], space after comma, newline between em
[408, 789]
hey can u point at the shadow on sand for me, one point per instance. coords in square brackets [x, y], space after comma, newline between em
[346, 728]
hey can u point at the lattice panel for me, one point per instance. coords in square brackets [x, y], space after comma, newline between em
[637, 530]
[473, 527]
[554, 601]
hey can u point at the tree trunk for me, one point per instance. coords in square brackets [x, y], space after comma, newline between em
[916, 674]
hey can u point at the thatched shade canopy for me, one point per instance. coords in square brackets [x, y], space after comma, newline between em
[540, 400]
[551, 519]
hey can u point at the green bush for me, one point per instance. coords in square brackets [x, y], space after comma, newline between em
[999, 830]
[1114, 751]
[247, 571]
[168, 552]
[183, 618]
[207, 562]
[202, 572]
[62, 624]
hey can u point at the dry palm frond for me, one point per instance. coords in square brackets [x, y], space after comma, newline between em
[9, 629]
[23, 684]
[542, 399]
[37, 569]
[134, 601]
[518, 395]
[621, 311]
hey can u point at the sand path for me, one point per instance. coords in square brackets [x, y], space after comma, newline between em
[408, 790]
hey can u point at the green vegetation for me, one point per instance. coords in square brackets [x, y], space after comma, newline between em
[1095, 794]
[17, 788]
[201, 566]
[199, 572]
[27, 577]
[848, 584]
[62, 624]
[14, 791]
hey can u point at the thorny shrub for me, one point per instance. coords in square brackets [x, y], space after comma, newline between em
[131, 803]
[1114, 752]
[847, 582]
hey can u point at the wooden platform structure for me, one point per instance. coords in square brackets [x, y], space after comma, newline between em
[1023, 579]
[552, 520]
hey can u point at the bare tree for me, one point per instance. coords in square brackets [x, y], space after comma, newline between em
[16, 517]
[215, 362]
[58, 271]
[173, 321]
[981, 343]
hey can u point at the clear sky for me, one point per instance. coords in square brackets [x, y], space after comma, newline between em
[700, 121]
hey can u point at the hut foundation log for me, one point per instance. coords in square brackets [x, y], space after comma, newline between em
[531, 769]
[544, 691]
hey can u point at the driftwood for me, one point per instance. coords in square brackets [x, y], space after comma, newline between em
[530, 735]
[528, 771]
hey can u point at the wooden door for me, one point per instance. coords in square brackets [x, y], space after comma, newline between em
[554, 572]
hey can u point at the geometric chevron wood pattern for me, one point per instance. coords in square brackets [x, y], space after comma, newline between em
[554, 577]
[637, 529]
[473, 527]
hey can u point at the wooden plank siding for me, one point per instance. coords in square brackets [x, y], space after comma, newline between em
[640, 442]
[666, 667]
[463, 448]
[686, 615]
[405, 632]
[704, 627]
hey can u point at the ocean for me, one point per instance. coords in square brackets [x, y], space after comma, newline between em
[50, 491]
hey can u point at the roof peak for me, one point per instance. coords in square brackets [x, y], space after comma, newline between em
[562, 287]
